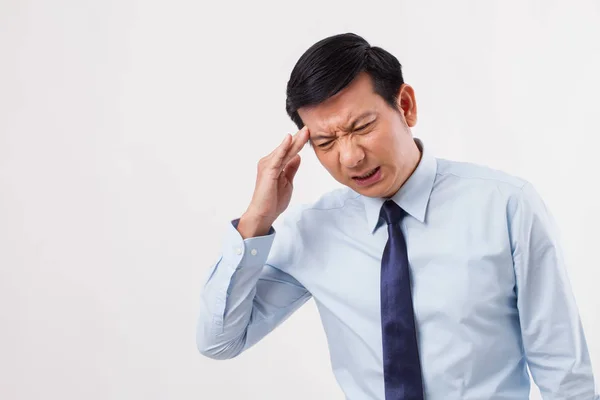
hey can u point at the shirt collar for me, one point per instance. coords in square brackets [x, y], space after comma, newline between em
[414, 194]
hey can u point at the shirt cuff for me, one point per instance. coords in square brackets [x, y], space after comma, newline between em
[252, 252]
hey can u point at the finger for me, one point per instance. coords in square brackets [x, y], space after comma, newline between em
[300, 139]
[274, 158]
[292, 167]
[282, 149]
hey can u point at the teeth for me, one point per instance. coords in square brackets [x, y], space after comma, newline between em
[368, 175]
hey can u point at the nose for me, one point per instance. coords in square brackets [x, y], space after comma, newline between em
[351, 154]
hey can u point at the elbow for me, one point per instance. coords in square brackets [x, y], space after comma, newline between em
[217, 348]
[217, 352]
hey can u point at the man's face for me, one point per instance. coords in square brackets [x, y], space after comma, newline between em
[363, 142]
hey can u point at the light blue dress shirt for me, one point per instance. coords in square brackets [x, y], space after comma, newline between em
[490, 287]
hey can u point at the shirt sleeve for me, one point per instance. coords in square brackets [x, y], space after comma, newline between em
[553, 337]
[245, 297]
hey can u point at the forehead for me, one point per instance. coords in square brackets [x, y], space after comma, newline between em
[339, 110]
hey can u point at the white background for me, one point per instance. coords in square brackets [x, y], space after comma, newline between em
[129, 136]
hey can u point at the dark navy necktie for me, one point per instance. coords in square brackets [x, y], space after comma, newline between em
[401, 363]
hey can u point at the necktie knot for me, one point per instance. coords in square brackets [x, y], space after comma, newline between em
[391, 212]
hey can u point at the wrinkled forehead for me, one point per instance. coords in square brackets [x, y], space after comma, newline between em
[349, 122]
[343, 109]
[332, 116]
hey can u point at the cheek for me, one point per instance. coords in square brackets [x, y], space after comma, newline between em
[376, 144]
[328, 160]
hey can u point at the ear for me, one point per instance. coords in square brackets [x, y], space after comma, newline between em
[407, 104]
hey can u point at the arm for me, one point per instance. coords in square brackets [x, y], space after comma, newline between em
[552, 333]
[245, 297]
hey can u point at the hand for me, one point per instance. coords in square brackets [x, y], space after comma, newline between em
[274, 185]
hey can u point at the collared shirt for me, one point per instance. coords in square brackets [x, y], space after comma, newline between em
[490, 289]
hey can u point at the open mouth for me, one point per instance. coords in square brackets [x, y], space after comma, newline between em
[368, 178]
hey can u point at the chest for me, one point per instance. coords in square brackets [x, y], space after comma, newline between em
[456, 269]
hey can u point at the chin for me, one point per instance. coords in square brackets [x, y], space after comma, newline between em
[371, 191]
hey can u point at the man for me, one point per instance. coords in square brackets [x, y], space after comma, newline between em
[434, 279]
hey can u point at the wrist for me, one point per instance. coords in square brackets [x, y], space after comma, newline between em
[252, 226]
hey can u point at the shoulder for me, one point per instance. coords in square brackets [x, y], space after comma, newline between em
[337, 199]
[329, 205]
[307, 225]
[477, 176]
[515, 192]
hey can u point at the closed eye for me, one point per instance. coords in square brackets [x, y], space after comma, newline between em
[325, 144]
[360, 128]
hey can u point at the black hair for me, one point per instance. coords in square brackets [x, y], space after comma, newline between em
[332, 63]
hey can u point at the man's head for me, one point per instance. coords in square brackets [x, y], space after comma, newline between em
[358, 110]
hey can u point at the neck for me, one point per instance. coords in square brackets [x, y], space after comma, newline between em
[416, 156]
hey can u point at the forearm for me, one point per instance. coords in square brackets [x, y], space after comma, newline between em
[225, 319]
[244, 298]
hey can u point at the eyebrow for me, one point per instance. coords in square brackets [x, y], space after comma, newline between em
[347, 128]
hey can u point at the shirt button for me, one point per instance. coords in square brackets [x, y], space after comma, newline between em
[238, 250]
[253, 252]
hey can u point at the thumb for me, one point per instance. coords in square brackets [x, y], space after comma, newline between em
[292, 167]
